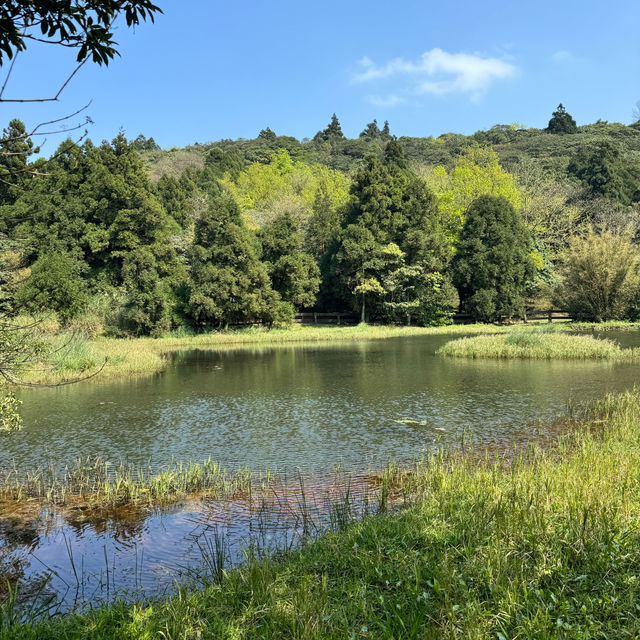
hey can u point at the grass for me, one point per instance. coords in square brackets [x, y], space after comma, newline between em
[536, 344]
[95, 483]
[545, 545]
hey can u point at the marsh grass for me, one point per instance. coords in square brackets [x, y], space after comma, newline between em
[94, 483]
[539, 344]
[543, 545]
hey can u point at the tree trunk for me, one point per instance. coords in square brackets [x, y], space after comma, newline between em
[362, 314]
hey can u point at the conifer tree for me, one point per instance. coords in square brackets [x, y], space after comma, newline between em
[229, 283]
[562, 122]
[371, 131]
[294, 273]
[493, 265]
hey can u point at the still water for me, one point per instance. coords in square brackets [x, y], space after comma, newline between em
[302, 408]
[308, 407]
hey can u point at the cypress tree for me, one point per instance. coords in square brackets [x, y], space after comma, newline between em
[493, 266]
[562, 122]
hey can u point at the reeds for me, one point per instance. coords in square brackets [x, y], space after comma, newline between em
[96, 483]
[537, 344]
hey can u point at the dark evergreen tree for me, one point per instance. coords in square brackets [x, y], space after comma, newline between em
[294, 273]
[386, 133]
[55, 284]
[267, 134]
[147, 307]
[220, 161]
[604, 169]
[562, 122]
[229, 283]
[15, 149]
[333, 131]
[394, 156]
[371, 131]
[493, 265]
[393, 248]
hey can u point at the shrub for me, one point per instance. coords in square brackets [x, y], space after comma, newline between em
[600, 276]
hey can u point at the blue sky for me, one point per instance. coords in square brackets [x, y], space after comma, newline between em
[208, 70]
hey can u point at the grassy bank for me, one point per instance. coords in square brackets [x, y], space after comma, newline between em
[544, 546]
[74, 355]
[536, 344]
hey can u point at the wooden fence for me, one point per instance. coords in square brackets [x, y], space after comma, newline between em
[347, 318]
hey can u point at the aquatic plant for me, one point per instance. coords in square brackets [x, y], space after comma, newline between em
[536, 344]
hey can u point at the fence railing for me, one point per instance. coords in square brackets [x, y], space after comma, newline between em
[348, 318]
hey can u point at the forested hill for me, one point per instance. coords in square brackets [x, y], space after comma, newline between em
[126, 238]
[513, 143]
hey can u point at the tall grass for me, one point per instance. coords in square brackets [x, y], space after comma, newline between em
[546, 545]
[96, 483]
[537, 344]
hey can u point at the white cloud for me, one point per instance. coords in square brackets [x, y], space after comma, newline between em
[439, 72]
[391, 100]
[562, 57]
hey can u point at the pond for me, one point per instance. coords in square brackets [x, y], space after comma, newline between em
[306, 407]
[301, 410]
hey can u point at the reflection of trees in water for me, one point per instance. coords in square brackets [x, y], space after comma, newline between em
[126, 524]
[18, 537]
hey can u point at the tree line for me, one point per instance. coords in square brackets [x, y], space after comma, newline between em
[90, 236]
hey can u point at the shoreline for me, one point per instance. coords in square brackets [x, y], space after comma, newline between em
[489, 547]
[132, 357]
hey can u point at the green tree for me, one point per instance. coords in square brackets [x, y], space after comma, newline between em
[324, 224]
[393, 238]
[15, 148]
[371, 131]
[146, 309]
[600, 276]
[55, 283]
[332, 132]
[493, 265]
[294, 273]
[604, 169]
[229, 283]
[562, 122]
[476, 172]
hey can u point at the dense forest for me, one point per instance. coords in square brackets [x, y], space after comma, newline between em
[125, 238]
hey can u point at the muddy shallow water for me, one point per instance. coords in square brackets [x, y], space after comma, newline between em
[301, 410]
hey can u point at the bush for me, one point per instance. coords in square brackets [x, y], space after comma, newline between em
[600, 276]
[55, 284]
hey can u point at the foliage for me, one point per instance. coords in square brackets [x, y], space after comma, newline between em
[332, 132]
[604, 169]
[600, 275]
[493, 265]
[84, 25]
[562, 122]
[229, 283]
[476, 172]
[393, 248]
[55, 283]
[10, 419]
[294, 273]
